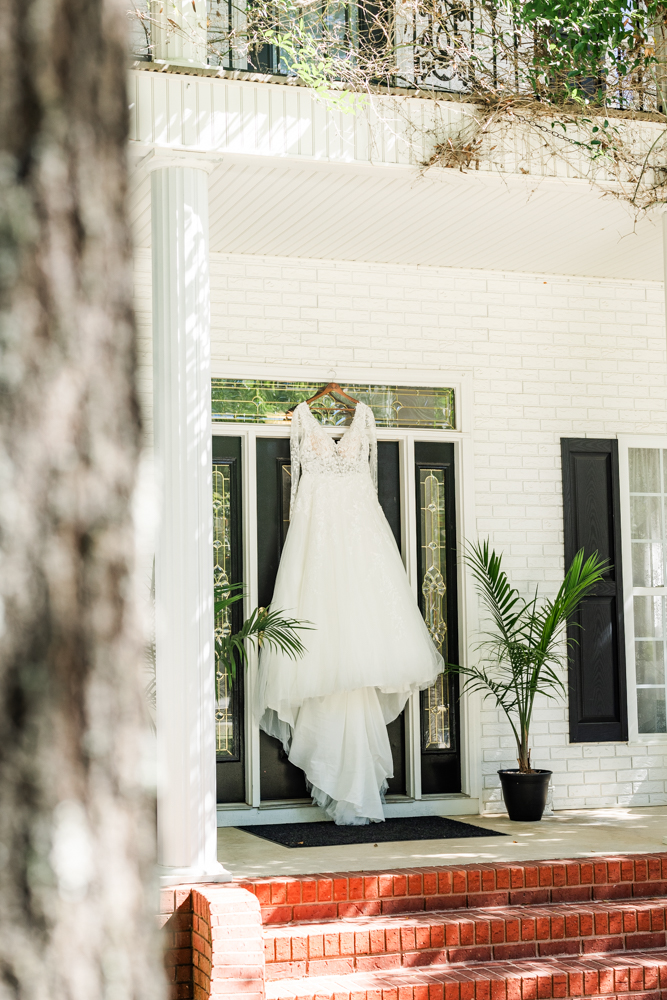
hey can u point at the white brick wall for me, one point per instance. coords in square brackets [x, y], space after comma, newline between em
[551, 357]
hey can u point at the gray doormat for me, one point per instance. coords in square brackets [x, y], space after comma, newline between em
[330, 835]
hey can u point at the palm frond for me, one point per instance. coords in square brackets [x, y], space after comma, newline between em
[229, 597]
[503, 602]
[579, 580]
[263, 626]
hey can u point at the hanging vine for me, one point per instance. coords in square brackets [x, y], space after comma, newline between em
[580, 82]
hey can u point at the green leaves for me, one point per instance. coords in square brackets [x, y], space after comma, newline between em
[263, 627]
[522, 652]
[583, 36]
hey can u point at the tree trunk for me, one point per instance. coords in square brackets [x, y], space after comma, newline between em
[76, 842]
[660, 66]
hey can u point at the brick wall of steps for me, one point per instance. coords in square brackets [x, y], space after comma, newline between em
[525, 931]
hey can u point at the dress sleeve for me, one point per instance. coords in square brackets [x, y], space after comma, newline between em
[372, 445]
[295, 453]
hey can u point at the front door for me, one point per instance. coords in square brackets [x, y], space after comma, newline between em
[279, 778]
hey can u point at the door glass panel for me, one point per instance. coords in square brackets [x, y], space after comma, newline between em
[225, 734]
[436, 733]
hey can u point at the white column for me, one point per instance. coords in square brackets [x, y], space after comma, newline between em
[187, 832]
[179, 31]
[664, 259]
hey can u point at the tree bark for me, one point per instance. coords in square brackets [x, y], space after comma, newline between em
[76, 841]
[660, 66]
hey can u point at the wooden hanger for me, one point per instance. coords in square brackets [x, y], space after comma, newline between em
[329, 390]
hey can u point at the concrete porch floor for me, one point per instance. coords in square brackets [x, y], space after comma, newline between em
[572, 833]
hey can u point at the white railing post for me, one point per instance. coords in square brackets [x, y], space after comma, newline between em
[179, 31]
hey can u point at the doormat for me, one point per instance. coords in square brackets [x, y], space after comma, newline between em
[329, 835]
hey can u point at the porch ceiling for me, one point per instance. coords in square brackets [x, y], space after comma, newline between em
[444, 218]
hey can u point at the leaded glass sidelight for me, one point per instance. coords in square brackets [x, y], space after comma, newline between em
[225, 736]
[436, 733]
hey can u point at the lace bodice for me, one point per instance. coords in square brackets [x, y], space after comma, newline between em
[312, 450]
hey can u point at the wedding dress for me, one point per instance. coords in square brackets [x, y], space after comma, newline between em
[369, 648]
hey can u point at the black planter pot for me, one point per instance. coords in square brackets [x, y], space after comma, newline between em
[525, 794]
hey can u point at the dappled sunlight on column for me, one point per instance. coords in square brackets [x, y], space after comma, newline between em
[183, 578]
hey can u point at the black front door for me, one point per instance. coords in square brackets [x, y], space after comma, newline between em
[280, 779]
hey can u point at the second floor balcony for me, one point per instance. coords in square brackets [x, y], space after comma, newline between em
[473, 49]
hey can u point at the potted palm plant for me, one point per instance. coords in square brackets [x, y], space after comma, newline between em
[523, 653]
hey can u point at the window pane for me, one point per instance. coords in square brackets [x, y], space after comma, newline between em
[647, 530]
[435, 712]
[651, 710]
[432, 492]
[436, 733]
[644, 470]
[225, 735]
[645, 517]
[649, 659]
[647, 564]
[268, 401]
[649, 617]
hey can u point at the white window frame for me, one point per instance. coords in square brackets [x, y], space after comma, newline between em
[414, 803]
[625, 442]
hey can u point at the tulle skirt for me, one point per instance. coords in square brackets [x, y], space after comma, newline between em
[368, 651]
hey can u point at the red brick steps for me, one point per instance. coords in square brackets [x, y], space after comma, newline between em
[367, 944]
[350, 894]
[588, 928]
[627, 977]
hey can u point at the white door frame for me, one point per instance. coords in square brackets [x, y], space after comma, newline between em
[413, 803]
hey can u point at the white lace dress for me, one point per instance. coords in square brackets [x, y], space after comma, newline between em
[369, 650]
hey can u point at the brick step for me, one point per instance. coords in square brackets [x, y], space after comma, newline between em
[349, 894]
[626, 977]
[366, 944]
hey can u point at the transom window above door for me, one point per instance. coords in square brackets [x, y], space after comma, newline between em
[267, 401]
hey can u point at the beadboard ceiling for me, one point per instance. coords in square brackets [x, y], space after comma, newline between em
[396, 215]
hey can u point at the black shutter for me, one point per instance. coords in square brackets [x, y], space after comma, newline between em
[591, 509]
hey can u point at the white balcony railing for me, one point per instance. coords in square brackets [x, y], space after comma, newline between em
[463, 47]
